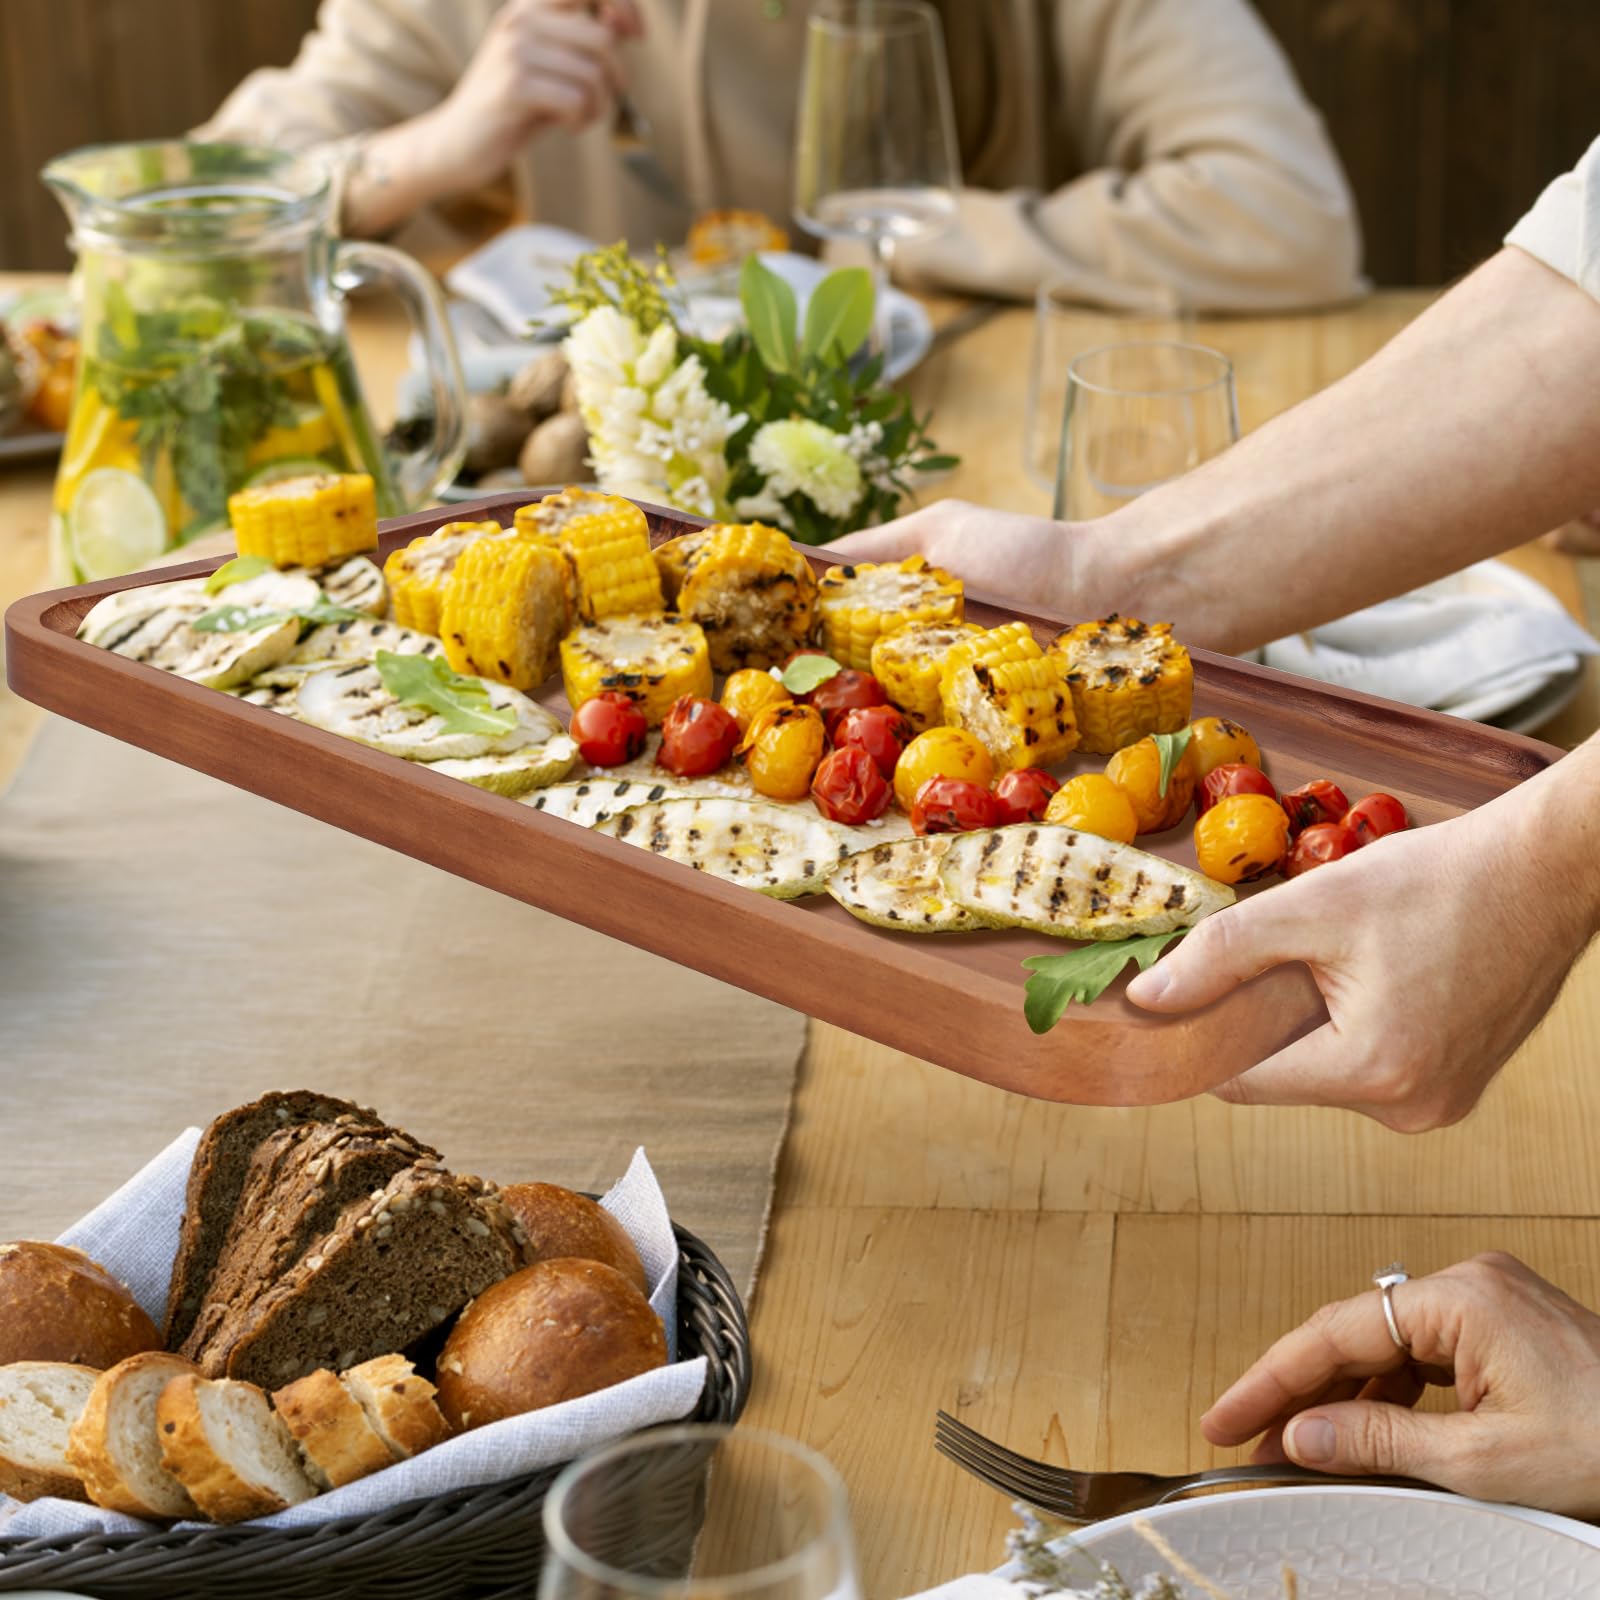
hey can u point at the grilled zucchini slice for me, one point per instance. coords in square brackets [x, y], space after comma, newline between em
[530, 767]
[164, 638]
[596, 800]
[356, 584]
[1073, 884]
[897, 885]
[360, 640]
[277, 689]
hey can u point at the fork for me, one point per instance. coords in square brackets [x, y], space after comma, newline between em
[630, 138]
[1093, 1496]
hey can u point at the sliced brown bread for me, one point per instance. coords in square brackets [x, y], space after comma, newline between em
[216, 1181]
[396, 1266]
[398, 1402]
[337, 1440]
[225, 1445]
[39, 1402]
[115, 1446]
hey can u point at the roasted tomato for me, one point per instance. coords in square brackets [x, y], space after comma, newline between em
[751, 690]
[845, 691]
[849, 787]
[1375, 816]
[882, 731]
[1137, 771]
[1232, 777]
[940, 753]
[610, 729]
[1243, 836]
[1314, 802]
[1216, 742]
[952, 805]
[697, 737]
[1023, 795]
[1317, 845]
[781, 750]
[1094, 804]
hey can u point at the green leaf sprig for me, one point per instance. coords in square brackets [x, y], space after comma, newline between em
[429, 682]
[804, 673]
[236, 571]
[246, 619]
[1084, 974]
[1171, 747]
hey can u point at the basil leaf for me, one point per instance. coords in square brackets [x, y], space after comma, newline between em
[236, 571]
[462, 703]
[1171, 747]
[838, 315]
[770, 313]
[324, 610]
[238, 619]
[804, 673]
[1083, 974]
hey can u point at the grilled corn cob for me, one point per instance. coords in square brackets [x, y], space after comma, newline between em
[1002, 688]
[651, 659]
[673, 558]
[857, 605]
[751, 591]
[909, 663]
[303, 522]
[505, 610]
[606, 542]
[1127, 679]
[419, 573]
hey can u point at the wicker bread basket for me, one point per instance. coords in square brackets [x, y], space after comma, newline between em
[473, 1544]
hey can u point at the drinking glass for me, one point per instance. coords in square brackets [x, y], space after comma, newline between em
[699, 1513]
[1139, 415]
[876, 158]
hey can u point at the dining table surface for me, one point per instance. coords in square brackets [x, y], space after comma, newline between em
[1076, 1282]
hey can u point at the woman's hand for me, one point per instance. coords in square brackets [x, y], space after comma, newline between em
[1336, 1394]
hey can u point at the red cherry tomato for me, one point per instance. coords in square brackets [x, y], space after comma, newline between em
[952, 805]
[848, 787]
[1232, 777]
[1317, 845]
[1023, 796]
[845, 691]
[698, 737]
[882, 731]
[1375, 816]
[610, 729]
[1314, 802]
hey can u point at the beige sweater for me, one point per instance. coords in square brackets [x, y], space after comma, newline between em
[1152, 153]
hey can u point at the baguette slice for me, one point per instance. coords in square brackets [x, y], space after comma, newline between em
[39, 1402]
[399, 1404]
[221, 1441]
[337, 1440]
[115, 1446]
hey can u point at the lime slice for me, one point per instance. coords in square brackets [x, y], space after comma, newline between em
[288, 467]
[115, 524]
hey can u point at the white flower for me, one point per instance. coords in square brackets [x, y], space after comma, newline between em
[798, 456]
[765, 506]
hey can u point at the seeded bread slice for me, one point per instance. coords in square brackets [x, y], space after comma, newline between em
[224, 1444]
[115, 1446]
[336, 1438]
[39, 1402]
[399, 1404]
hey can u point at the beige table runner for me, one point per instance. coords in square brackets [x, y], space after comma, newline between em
[170, 946]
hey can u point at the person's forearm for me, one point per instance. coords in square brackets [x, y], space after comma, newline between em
[395, 175]
[1473, 431]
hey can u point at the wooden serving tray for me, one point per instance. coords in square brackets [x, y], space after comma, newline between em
[953, 999]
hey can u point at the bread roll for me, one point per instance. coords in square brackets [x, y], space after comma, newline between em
[551, 1332]
[560, 1222]
[115, 1446]
[58, 1305]
[39, 1402]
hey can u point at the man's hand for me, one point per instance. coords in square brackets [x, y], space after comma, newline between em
[1336, 1394]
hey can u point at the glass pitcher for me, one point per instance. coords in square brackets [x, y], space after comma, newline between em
[213, 353]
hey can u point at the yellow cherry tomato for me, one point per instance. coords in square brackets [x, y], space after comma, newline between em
[1136, 770]
[1214, 742]
[781, 750]
[940, 753]
[1241, 837]
[1094, 804]
[749, 691]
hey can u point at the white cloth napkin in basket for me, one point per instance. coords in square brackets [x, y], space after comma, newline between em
[134, 1235]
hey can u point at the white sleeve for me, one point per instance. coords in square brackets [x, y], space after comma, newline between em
[1563, 228]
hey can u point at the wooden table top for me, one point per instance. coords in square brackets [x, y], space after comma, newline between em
[1079, 1283]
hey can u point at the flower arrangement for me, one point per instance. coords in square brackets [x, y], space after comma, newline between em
[776, 422]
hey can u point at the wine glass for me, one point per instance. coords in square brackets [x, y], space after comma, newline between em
[876, 158]
[699, 1513]
[1139, 415]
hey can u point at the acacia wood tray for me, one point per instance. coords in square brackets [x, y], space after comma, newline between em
[953, 999]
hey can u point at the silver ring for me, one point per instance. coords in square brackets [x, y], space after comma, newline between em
[1387, 1281]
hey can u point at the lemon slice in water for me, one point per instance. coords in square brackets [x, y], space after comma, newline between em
[114, 524]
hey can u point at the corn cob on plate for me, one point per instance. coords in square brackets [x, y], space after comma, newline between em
[505, 610]
[606, 543]
[306, 522]
[752, 592]
[673, 558]
[897, 885]
[1127, 679]
[419, 573]
[1002, 688]
[651, 659]
[909, 663]
[858, 605]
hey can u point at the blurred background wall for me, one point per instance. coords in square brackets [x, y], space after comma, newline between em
[1450, 114]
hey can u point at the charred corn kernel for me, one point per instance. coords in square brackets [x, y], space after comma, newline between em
[858, 605]
[651, 659]
[940, 753]
[1092, 803]
[750, 691]
[1215, 741]
[782, 749]
[1128, 678]
[1136, 770]
[1243, 836]
[606, 542]
[909, 663]
[751, 591]
[505, 608]
[1000, 686]
[672, 561]
[419, 573]
[304, 522]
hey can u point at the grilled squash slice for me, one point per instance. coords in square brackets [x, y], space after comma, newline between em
[1127, 678]
[898, 886]
[356, 584]
[360, 641]
[516, 772]
[597, 800]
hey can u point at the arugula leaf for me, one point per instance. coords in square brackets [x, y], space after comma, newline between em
[236, 571]
[804, 673]
[838, 315]
[1083, 974]
[461, 702]
[246, 619]
[770, 313]
[1171, 747]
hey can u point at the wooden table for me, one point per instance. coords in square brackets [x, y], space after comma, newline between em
[1080, 1283]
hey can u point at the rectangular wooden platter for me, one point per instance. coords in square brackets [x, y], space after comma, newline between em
[952, 999]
